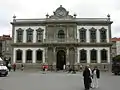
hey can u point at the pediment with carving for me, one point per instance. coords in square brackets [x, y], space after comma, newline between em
[61, 12]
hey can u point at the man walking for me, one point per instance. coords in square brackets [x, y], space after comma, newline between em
[87, 79]
[96, 76]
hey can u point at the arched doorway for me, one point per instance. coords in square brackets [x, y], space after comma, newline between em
[61, 59]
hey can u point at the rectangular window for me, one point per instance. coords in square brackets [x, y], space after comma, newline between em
[29, 36]
[19, 36]
[103, 36]
[39, 36]
[82, 36]
[93, 36]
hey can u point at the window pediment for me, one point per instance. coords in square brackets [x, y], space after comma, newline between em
[93, 50]
[102, 29]
[82, 29]
[92, 29]
[20, 29]
[29, 29]
[40, 29]
[29, 50]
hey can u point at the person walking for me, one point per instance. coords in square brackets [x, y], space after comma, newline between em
[87, 79]
[9, 67]
[96, 76]
[22, 67]
[14, 67]
[90, 75]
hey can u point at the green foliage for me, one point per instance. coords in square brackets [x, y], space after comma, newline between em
[116, 58]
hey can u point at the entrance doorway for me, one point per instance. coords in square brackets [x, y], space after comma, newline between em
[61, 59]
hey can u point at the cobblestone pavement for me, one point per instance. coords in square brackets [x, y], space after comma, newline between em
[35, 80]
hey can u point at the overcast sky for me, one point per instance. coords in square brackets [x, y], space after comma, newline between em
[39, 8]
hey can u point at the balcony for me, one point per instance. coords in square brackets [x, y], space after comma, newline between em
[60, 41]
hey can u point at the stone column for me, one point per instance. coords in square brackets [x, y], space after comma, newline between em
[34, 35]
[67, 35]
[14, 56]
[43, 56]
[75, 56]
[78, 56]
[34, 56]
[54, 54]
[67, 57]
[109, 56]
[88, 56]
[46, 55]
[98, 57]
[24, 36]
[87, 36]
[98, 35]
[24, 56]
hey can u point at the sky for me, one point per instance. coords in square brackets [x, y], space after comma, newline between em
[39, 8]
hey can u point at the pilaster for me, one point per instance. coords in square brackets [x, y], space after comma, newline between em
[14, 56]
[24, 36]
[43, 56]
[34, 56]
[78, 56]
[88, 56]
[24, 56]
[34, 36]
[98, 57]
[87, 36]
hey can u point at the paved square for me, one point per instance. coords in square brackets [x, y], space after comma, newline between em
[54, 81]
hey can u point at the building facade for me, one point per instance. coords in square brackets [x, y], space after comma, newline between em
[5, 47]
[115, 46]
[62, 39]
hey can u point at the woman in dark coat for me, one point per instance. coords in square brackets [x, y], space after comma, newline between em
[87, 79]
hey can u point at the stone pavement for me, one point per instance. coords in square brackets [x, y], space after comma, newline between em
[35, 80]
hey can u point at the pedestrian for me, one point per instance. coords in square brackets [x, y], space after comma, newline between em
[64, 67]
[22, 67]
[9, 67]
[96, 76]
[14, 67]
[90, 75]
[87, 79]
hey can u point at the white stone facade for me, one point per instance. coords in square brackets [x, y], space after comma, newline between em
[24, 54]
[98, 53]
[24, 32]
[68, 41]
[97, 33]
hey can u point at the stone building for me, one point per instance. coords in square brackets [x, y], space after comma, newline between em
[115, 46]
[5, 47]
[62, 39]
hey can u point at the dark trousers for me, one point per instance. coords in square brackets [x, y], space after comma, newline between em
[87, 83]
[14, 69]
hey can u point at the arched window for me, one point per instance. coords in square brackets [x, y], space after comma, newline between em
[19, 35]
[103, 56]
[92, 35]
[39, 35]
[93, 56]
[39, 54]
[61, 34]
[29, 35]
[83, 56]
[82, 33]
[29, 55]
[19, 55]
[103, 35]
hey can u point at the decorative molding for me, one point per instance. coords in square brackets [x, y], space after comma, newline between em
[20, 29]
[93, 29]
[29, 29]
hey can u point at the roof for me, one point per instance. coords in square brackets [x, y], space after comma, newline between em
[61, 15]
[5, 37]
[115, 39]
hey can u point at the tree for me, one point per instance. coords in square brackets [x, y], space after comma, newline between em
[116, 58]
